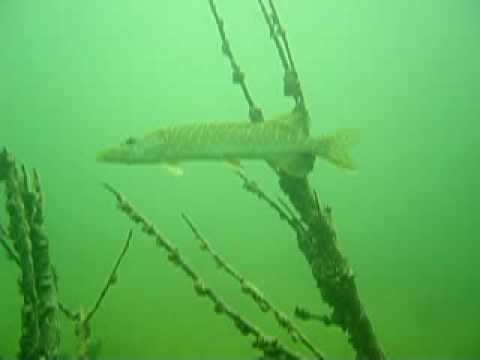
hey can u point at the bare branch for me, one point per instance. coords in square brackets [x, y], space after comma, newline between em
[268, 345]
[238, 76]
[112, 279]
[256, 295]
[291, 83]
[306, 315]
[285, 214]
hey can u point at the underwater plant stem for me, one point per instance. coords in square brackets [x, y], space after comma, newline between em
[85, 348]
[12, 256]
[284, 213]
[10, 252]
[19, 231]
[238, 76]
[306, 315]
[317, 239]
[40, 332]
[331, 271]
[6, 164]
[250, 290]
[283, 35]
[112, 279]
[205, 245]
[69, 314]
[270, 346]
[291, 83]
[271, 29]
[44, 278]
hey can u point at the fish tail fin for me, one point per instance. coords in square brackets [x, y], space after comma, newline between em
[335, 147]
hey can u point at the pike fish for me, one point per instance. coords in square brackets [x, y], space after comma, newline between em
[283, 141]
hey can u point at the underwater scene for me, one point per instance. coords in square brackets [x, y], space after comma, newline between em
[239, 179]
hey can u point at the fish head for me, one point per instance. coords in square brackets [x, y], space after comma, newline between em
[150, 149]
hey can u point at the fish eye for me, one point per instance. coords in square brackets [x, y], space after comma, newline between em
[130, 141]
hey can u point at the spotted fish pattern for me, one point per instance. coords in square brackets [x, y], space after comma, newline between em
[283, 140]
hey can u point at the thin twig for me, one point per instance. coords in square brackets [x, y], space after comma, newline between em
[271, 27]
[283, 35]
[285, 215]
[237, 75]
[205, 245]
[112, 279]
[69, 314]
[306, 315]
[292, 86]
[292, 214]
[268, 345]
[250, 290]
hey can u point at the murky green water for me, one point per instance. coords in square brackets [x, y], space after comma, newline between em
[78, 76]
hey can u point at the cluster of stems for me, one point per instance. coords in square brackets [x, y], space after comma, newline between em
[27, 244]
[330, 269]
[270, 347]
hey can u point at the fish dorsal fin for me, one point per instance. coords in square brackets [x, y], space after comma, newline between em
[297, 120]
[173, 168]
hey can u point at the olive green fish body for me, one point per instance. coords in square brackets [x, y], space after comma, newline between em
[279, 140]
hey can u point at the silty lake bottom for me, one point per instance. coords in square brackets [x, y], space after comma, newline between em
[79, 78]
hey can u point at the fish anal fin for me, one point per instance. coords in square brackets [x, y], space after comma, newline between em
[235, 163]
[173, 168]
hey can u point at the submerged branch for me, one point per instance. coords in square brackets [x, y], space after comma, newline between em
[291, 83]
[112, 279]
[19, 231]
[45, 280]
[283, 35]
[305, 315]
[270, 346]
[87, 349]
[69, 314]
[271, 28]
[331, 270]
[12, 256]
[317, 240]
[238, 76]
[250, 290]
[285, 213]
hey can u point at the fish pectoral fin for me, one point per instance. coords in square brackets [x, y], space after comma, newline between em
[173, 168]
[296, 165]
[235, 163]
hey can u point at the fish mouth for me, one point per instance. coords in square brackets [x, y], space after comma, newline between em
[107, 156]
[116, 155]
[102, 157]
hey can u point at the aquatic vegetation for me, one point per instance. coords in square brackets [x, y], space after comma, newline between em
[40, 333]
[270, 346]
[27, 245]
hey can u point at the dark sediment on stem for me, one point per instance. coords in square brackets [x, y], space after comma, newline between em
[333, 276]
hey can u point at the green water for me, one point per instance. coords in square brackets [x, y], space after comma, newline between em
[78, 76]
